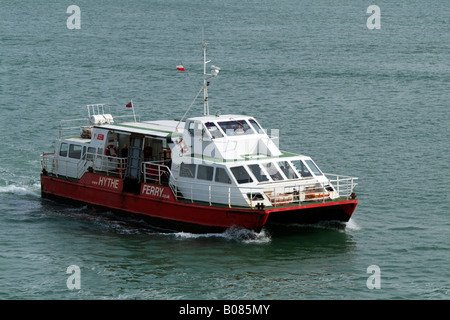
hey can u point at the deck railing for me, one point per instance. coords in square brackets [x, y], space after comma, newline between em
[47, 161]
[295, 192]
[286, 193]
[75, 168]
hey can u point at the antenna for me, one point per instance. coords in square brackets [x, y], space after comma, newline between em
[206, 77]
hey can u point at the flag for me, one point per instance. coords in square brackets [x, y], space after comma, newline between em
[130, 105]
[180, 68]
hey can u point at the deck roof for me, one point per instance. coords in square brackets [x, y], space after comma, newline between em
[163, 128]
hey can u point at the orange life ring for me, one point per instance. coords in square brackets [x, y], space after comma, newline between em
[110, 153]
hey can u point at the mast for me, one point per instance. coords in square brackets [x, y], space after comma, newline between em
[214, 72]
[205, 83]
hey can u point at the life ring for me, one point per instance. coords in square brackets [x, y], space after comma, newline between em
[182, 147]
[110, 153]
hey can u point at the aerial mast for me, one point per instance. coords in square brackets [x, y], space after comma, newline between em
[205, 82]
[206, 77]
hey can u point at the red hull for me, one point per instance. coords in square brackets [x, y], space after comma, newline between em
[159, 205]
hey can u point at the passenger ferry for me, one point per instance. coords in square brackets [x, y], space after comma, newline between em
[200, 174]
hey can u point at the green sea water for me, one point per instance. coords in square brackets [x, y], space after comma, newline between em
[370, 103]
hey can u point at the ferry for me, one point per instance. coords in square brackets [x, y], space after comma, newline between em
[201, 174]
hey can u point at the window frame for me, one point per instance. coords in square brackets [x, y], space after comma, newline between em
[182, 170]
[62, 152]
[201, 167]
[226, 173]
[75, 153]
[244, 170]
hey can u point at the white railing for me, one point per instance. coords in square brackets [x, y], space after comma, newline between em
[157, 172]
[296, 193]
[83, 127]
[47, 161]
[344, 185]
[108, 164]
[75, 168]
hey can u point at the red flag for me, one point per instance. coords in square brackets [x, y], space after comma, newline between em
[130, 105]
[180, 68]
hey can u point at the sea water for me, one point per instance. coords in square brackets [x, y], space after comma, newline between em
[365, 93]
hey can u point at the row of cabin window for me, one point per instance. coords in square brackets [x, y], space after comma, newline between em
[296, 171]
[291, 170]
[188, 170]
[74, 151]
[234, 127]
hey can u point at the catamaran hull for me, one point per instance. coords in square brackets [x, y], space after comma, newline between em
[158, 206]
[312, 213]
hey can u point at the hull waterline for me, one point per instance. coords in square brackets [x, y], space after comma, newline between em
[156, 205]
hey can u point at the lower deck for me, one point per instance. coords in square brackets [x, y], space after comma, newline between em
[158, 204]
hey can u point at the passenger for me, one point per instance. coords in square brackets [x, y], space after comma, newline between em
[124, 151]
[240, 129]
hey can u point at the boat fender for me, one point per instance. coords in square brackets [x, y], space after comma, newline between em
[111, 151]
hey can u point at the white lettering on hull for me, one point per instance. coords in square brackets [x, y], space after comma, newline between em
[107, 182]
[154, 191]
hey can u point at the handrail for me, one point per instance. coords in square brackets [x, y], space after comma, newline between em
[104, 163]
[190, 189]
[296, 193]
[98, 162]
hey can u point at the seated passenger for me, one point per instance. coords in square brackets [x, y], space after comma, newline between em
[239, 130]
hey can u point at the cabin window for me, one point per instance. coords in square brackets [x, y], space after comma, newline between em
[91, 153]
[195, 128]
[237, 127]
[75, 151]
[241, 175]
[301, 168]
[313, 168]
[213, 130]
[64, 147]
[256, 126]
[272, 171]
[222, 176]
[205, 172]
[287, 170]
[187, 170]
[191, 128]
[258, 172]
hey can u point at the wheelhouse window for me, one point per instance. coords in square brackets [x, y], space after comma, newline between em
[301, 168]
[75, 151]
[63, 148]
[236, 127]
[241, 175]
[256, 126]
[287, 170]
[258, 172]
[205, 172]
[222, 176]
[187, 170]
[213, 130]
[272, 171]
[313, 168]
[195, 128]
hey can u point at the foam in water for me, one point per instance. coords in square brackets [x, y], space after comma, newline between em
[352, 225]
[21, 191]
[232, 234]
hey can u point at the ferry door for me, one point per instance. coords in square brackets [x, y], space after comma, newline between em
[135, 158]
